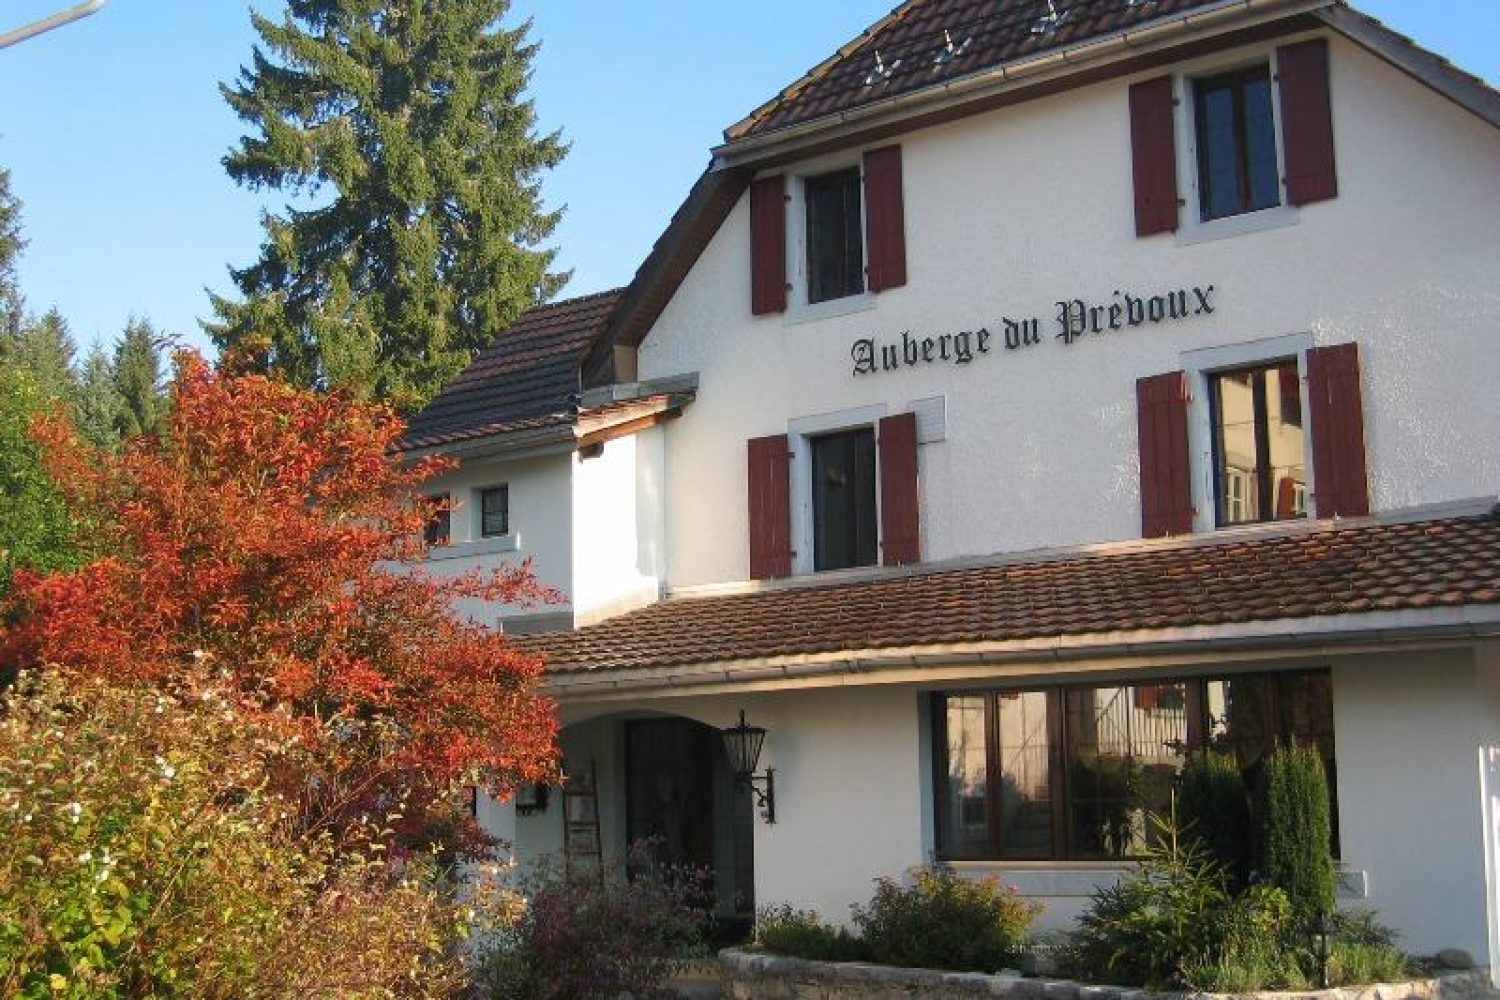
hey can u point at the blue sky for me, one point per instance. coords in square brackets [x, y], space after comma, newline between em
[113, 129]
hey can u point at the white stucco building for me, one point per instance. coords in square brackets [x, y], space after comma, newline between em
[1016, 404]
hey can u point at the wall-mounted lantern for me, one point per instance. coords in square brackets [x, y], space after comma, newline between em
[742, 743]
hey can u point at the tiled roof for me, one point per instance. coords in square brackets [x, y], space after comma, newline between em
[914, 51]
[524, 381]
[1307, 572]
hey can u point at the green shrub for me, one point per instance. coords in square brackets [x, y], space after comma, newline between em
[599, 934]
[143, 856]
[1215, 808]
[943, 921]
[1360, 963]
[1297, 832]
[802, 934]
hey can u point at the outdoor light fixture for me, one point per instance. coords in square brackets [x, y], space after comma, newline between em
[1323, 929]
[742, 743]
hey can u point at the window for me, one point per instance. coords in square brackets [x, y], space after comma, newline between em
[1258, 444]
[845, 531]
[494, 512]
[435, 531]
[835, 239]
[1070, 773]
[1235, 123]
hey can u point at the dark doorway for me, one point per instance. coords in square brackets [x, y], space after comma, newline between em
[679, 792]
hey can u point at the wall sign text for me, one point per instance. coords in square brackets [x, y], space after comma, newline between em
[1072, 321]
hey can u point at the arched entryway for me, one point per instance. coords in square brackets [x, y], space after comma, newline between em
[680, 792]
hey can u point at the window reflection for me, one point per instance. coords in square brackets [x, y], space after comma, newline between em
[1259, 444]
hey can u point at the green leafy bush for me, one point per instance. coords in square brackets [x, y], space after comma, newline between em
[1215, 809]
[943, 921]
[803, 934]
[143, 855]
[599, 933]
[1297, 833]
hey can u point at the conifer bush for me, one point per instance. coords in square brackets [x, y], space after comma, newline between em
[1215, 810]
[1296, 832]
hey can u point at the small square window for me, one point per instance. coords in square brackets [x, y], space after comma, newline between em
[835, 236]
[494, 512]
[435, 531]
[843, 494]
[1235, 124]
[1260, 470]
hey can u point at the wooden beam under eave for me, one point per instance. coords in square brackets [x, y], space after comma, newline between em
[590, 444]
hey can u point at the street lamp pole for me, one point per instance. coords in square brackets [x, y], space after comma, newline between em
[57, 20]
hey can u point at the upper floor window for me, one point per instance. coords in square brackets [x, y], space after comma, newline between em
[1236, 131]
[1259, 446]
[835, 237]
[436, 530]
[845, 531]
[494, 512]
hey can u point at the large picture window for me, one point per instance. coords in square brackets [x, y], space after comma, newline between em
[1071, 773]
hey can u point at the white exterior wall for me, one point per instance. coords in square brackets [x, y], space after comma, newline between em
[541, 527]
[618, 526]
[1009, 212]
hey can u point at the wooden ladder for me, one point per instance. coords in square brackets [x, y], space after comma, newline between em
[582, 844]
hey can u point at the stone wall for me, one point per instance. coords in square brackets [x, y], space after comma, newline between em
[749, 975]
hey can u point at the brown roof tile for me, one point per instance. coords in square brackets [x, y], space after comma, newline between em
[985, 34]
[524, 381]
[1310, 571]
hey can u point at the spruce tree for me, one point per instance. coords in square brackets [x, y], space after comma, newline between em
[98, 398]
[407, 127]
[44, 348]
[141, 404]
[1296, 853]
[11, 245]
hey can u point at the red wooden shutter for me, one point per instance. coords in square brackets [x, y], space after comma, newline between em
[1306, 122]
[770, 508]
[1166, 489]
[1153, 144]
[885, 219]
[1340, 479]
[768, 245]
[900, 530]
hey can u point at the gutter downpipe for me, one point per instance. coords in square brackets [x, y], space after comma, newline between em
[742, 151]
[57, 20]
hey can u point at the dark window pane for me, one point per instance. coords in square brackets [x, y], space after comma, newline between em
[435, 531]
[1123, 761]
[1025, 779]
[494, 512]
[1259, 445]
[843, 472]
[835, 241]
[965, 798]
[1236, 132]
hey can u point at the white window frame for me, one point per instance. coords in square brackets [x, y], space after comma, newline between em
[1199, 366]
[478, 534]
[800, 431]
[1192, 229]
[799, 310]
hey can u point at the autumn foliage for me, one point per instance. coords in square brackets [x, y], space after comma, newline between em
[267, 540]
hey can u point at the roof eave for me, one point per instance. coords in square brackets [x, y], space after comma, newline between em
[1088, 54]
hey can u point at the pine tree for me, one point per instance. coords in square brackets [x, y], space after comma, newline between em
[412, 117]
[138, 380]
[98, 398]
[11, 245]
[44, 348]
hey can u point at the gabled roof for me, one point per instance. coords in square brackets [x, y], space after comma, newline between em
[929, 43]
[1304, 572]
[526, 381]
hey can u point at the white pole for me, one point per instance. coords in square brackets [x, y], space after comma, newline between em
[57, 20]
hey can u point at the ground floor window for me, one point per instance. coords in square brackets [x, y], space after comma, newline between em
[1070, 773]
